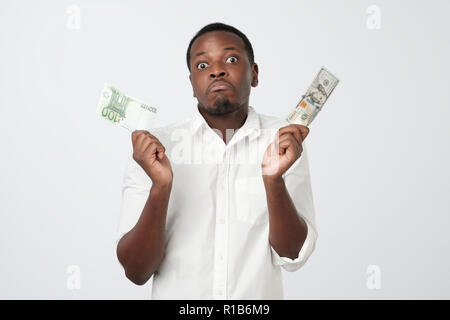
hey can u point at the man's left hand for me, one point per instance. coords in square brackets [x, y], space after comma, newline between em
[283, 151]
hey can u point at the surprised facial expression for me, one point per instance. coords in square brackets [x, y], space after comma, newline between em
[221, 74]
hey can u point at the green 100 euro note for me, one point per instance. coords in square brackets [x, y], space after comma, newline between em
[125, 111]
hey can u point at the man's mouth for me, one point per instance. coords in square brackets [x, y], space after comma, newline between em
[220, 86]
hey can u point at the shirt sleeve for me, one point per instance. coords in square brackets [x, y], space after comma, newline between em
[135, 190]
[298, 183]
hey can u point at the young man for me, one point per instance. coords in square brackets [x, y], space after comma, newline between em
[215, 205]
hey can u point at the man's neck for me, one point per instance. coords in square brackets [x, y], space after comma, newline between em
[233, 120]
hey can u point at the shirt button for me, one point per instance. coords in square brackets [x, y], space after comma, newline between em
[219, 292]
[221, 257]
[221, 220]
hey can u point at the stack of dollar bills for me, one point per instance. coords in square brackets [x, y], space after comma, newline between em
[125, 111]
[316, 96]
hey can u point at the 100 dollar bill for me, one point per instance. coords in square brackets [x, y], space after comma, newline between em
[315, 97]
[125, 111]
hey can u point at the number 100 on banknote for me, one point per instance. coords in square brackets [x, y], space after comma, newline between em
[314, 99]
[125, 111]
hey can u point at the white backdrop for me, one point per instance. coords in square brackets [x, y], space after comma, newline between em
[379, 150]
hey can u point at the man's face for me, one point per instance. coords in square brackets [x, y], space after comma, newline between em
[220, 56]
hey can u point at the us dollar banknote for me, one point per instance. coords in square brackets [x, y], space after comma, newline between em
[125, 111]
[315, 97]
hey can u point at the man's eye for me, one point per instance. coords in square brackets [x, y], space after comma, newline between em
[199, 66]
[232, 57]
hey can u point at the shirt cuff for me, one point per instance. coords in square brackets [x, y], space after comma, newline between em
[294, 264]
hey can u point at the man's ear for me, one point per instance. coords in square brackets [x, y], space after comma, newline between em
[190, 79]
[254, 74]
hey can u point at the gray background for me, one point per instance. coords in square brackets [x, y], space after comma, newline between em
[379, 151]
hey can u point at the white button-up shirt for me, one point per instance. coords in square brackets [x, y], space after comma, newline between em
[217, 226]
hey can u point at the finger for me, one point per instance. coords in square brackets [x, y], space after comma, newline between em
[300, 132]
[158, 150]
[134, 136]
[304, 131]
[154, 147]
[293, 132]
[290, 138]
[161, 150]
[286, 136]
[143, 142]
[150, 150]
[139, 133]
[151, 136]
[289, 142]
[137, 136]
[140, 141]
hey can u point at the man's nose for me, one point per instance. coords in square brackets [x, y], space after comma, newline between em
[218, 72]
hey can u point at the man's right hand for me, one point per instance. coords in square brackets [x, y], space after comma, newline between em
[149, 153]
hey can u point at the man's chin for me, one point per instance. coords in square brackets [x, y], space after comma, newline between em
[221, 107]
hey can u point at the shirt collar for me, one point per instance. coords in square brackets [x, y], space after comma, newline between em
[251, 126]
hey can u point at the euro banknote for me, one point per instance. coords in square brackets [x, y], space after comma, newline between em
[125, 111]
[315, 97]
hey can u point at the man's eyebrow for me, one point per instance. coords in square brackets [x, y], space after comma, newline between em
[227, 48]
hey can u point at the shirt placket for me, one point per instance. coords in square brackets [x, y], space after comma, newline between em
[221, 232]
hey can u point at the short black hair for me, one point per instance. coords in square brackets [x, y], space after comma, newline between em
[217, 26]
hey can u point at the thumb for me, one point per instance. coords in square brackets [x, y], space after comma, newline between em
[160, 151]
[305, 131]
